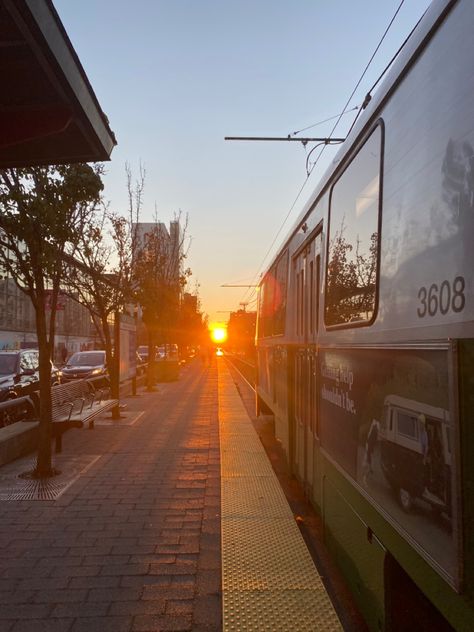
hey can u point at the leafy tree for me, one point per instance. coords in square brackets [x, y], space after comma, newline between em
[241, 332]
[350, 292]
[158, 280]
[190, 326]
[101, 275]
[44, 211]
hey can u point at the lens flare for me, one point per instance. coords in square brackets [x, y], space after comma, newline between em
[219, 334]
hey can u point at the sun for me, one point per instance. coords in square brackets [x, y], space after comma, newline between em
[219, 334]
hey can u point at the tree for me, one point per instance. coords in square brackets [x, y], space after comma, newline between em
[44, 210]
[190, 325]
[241, 332]
[158, 281]
[101, 275]
[350, 293]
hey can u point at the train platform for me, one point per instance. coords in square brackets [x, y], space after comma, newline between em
[170, 518]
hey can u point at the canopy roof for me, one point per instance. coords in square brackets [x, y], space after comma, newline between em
[49, 113]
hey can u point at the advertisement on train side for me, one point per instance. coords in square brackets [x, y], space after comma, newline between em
[386, 419]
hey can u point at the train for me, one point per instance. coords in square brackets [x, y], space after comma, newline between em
[365, 338]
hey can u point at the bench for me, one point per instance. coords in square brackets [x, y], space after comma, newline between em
[78, 403]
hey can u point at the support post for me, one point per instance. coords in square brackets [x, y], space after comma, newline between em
[115, 376]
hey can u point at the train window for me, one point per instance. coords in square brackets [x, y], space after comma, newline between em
[407, 425]
[279, 297]
[272, 299]
[353, 240]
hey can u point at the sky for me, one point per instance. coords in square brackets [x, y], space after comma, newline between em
[175, 77]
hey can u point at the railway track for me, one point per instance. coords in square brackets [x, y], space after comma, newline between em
[247, 369]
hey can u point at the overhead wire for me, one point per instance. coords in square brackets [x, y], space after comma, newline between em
[331, 118]
[382, 74]
[359, 82]
[310, 171]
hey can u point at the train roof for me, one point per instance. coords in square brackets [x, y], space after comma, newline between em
[420, 37]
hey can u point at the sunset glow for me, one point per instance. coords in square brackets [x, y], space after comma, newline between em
[218, 334]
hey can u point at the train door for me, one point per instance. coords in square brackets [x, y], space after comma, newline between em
[314, 464]
[307, 286]
[297, 434]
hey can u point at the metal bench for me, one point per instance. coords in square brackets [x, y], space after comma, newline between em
[78, 403]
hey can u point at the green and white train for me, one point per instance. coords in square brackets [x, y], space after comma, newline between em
[365, 338]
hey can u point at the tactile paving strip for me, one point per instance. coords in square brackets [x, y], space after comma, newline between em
[249, 498]
[268, 577]
[238, 463]
[279, 611]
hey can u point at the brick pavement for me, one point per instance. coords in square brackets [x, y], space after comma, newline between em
[134, 544]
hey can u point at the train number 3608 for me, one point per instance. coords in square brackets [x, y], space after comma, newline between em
[443, 298]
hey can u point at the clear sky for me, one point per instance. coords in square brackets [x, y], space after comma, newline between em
[176, 76]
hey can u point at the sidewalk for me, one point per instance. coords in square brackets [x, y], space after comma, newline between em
[134, 543]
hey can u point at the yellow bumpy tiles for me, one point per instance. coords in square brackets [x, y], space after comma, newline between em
[269, 581]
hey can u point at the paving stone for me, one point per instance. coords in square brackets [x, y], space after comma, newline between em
[94, 582]
[45, 583]
[27, 611]
[125, 569]
[168, 592]
[132, 608]
[43, 625]
[102, 624]
[207, 611]
[208, 583]
[126, 546]
[100, 560]
[114, 594]
[179, 606]
[60, 596]
[17, 596]
[147, 623]
[74, 610]
[75, 571]
[145, 580]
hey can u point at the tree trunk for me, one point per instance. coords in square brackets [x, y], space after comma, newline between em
[150, 382]
[44, 468]
[113, 360]
[115, 381]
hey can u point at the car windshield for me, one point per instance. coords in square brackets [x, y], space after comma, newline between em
[7, 364]
[86, 359]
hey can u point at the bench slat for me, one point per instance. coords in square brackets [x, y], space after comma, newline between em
[81, 395]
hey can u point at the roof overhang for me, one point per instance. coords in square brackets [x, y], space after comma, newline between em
[49, 113]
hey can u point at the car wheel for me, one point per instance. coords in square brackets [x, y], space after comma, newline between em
[8, 417]
[405, 499]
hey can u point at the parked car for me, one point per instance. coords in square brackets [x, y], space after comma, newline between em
[142, 351]
[84, 364]
[19, 373]
[167, 351]
[141, 364]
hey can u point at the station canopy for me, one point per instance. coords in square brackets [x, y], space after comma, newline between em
[49, 113]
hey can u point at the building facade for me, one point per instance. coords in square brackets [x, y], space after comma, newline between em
[74, 327]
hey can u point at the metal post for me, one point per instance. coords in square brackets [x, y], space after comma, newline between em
[115, 377]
